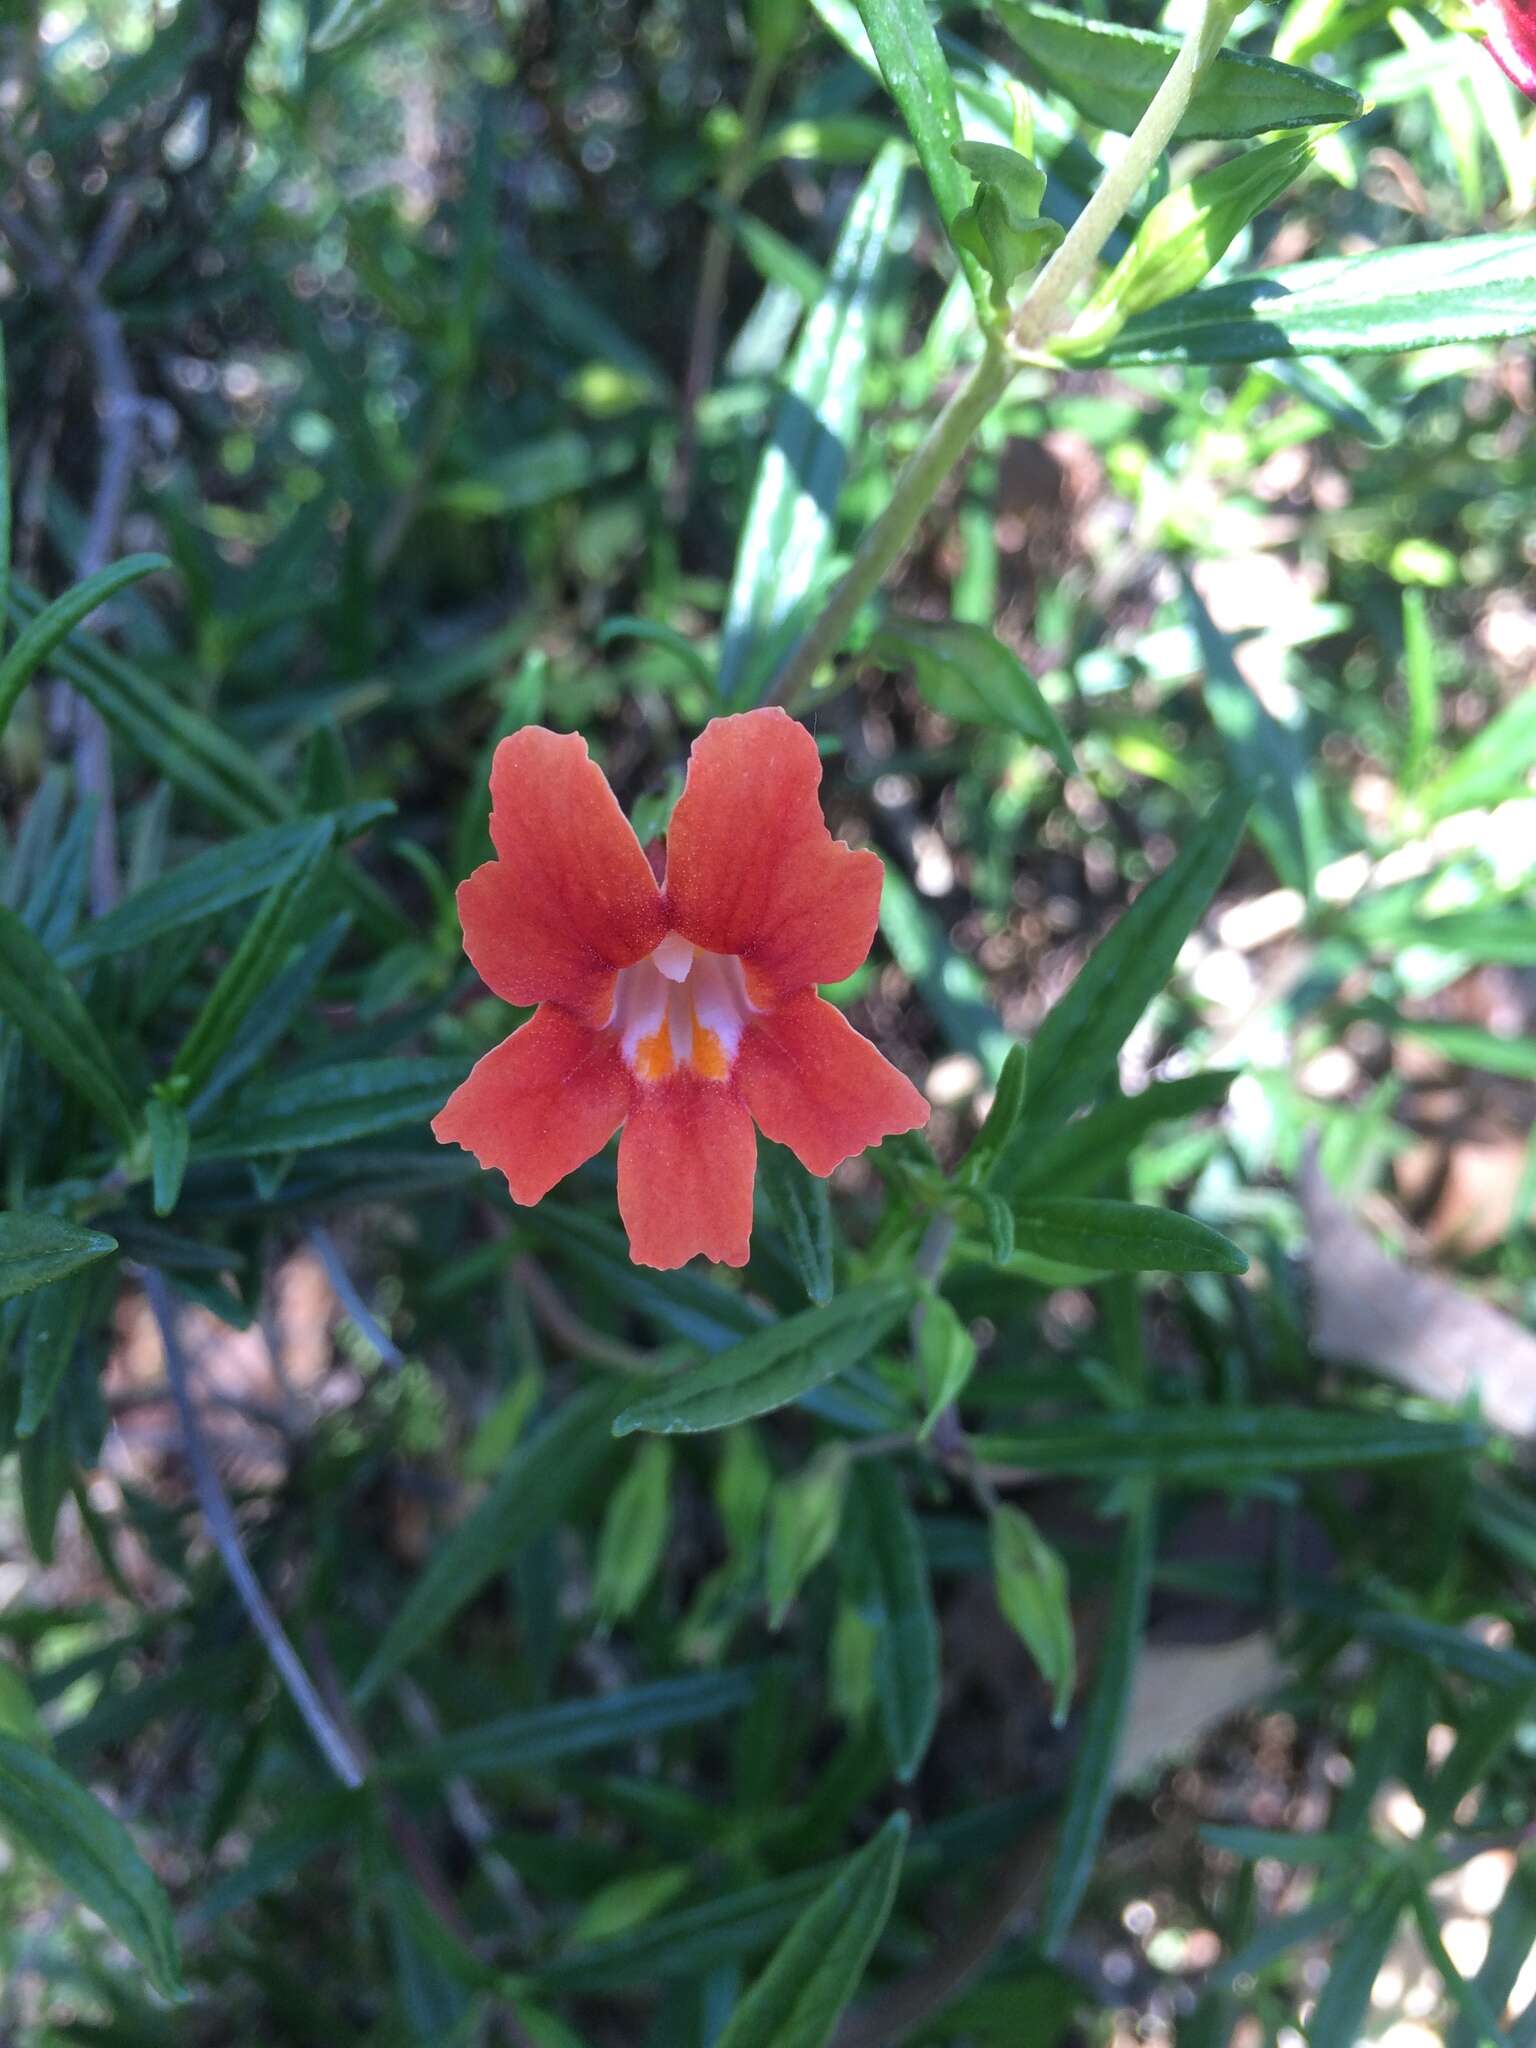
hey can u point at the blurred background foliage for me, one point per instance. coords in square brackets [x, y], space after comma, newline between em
[435, 349]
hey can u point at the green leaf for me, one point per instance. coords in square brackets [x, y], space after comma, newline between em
[804, 1516]
[1421, 681]
[43, 1467]
[1269, 759]
[170, 1139]
[332, 1105]
[256, 960]
[906, 47]
[1081, 1155]
[18, 1714]
[815, 1971]
[245, 866]
[1344, 2003]
[530, 1495]
[1111, 75]
[56, 1024]
[42, 634]
[966, 673]
[1122, 1237]
[188, 749]
[946, 1357]
[991, 1143]
[1495, 764]
[536, 1736]
[790, 522]
[774, 1366]
[89, 1851]
[54, 1321]
[894, 1596]
[1031, 1585]
[1091, 1788]
[802, 1208]
[1221, 1446]
[36, 1250]
[1002, 225]
[1469, 1045]
[691, 1942]
[1074, 1051]
[1185, 236]
[1475, 288]
[633, 1537]
[5, 502]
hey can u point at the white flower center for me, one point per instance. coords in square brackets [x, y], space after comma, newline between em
[681, 1007]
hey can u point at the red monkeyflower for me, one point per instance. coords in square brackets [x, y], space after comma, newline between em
[682, 1007]
[1511, 29]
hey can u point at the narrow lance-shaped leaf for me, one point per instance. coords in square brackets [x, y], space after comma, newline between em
[5, 502]
[1473, 288]
[1269, 758]
[56, 1024]
[1076, 1158]
[805, 1513]
[170, 1140]
[1219, 1446]
[1123, 1237]
[815, 1971]
[906, 47]
[775, 1365]
[894, 1595]
[37, 1250]
[54, 1320]
[245, 866]
[990, 1145]
[89, 1850]
[256, 959]
[331, 1105]
[1185, 236]
[1111, 74]
[634, 1532]
[1074, 1051]
[966, 672]
[535, 1736]
[802, 1208]
[787, 536]
[1092, 1785]
[529, 1496]
[1031, 1584]
[42, 634]
[946, 1350]
[190, 750]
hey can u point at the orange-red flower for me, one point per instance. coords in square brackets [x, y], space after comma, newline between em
[683, 1007]
[1511, 30]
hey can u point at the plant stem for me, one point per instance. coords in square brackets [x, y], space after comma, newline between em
[220, 1521]
[885, 542]
[704, 334]
[1040, 315]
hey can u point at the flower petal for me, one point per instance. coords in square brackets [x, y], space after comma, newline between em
[813, 1084]
[686, 1164]
[572, 896]
[1512, 40]
[751, 867]
[540, 1104]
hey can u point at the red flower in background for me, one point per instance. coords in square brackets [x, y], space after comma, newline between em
[685, 1008]
[1511, 26]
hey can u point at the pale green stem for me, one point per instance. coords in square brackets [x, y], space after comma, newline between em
[1038, 317]
[1072, 265]
[885, 542]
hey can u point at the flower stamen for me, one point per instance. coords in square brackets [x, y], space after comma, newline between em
[681, 1007]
